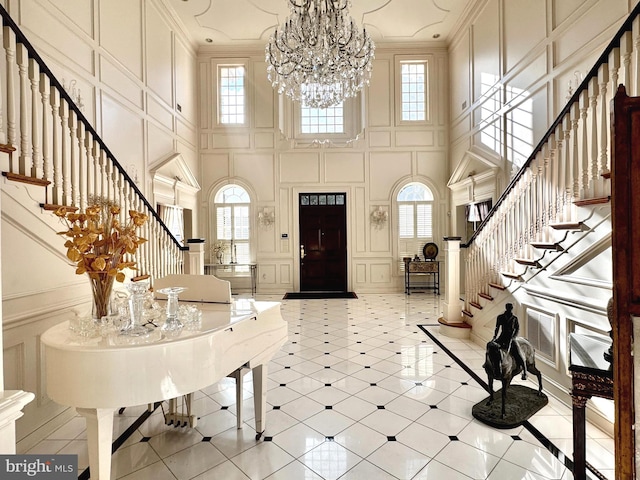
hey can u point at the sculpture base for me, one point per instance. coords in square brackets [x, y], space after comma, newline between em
[521, 404]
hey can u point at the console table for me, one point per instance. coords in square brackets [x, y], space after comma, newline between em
[234, 270]
[428, 272]
[591, 376]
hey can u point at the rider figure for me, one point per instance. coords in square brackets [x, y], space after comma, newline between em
[508, 325]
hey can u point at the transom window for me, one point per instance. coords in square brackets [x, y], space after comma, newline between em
[413, 91]
[231, 94]
[322, 120]
[415, 219]
[231, 207]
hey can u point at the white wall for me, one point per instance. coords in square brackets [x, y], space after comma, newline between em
[274, 167]
[135, 71]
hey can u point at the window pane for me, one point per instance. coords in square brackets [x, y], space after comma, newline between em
[231, 95]
[241, 222]
[223, 220]
[322, 120]
[412, 81]
[405, 220]
[424, 220]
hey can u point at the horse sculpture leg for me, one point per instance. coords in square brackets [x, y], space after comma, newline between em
[505, 385]
[490, 382]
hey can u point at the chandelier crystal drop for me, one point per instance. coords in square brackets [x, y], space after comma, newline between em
[318, 56]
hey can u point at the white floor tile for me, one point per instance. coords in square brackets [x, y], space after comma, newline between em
[330, 460]
[193, 461]
[398, 460]
[262, 460]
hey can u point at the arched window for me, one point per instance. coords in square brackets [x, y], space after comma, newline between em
[231, 207]
[415, 219]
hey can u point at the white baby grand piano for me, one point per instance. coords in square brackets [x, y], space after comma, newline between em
[98, 376]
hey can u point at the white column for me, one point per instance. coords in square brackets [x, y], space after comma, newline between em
[195, 257]
[11, 404]
[452, 306]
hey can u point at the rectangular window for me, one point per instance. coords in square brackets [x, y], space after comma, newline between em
[413, 91]
[322, 120]
[231, 94]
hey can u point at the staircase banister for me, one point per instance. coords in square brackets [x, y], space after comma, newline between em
[21, 38]
[584, 85]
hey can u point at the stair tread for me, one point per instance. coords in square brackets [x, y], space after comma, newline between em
[527, 261]
[512, 275]
[458, 324]
[17, 177]
[486, 296]
[592, 201]
[467, 313]
[547, 246]
[567, 226]
[497, 286]
[476, 305]
[50, 207]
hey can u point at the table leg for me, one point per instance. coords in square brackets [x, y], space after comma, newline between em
[260, 397]
[99, 438]
[579, 455]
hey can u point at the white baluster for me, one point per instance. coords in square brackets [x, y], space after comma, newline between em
[65, 154]
[568, 168]
[82, 166]
[36, 168]
[561, 172]
[626, 49]
[45, 87]
[57, 197]
[73, 157]
[575, 166]
[24, 159]
[9, 43]
[635, 29]
[603, 80]
[584, 150]
[594, 91]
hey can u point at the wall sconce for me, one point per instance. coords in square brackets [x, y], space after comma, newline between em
[266, 217]
[379, 217]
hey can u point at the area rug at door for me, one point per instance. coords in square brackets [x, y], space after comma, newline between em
[317, 295]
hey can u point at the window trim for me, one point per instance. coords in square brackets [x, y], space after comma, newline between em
[426, 60]
[217, 65]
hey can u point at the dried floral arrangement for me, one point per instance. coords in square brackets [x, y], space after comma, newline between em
[97, 242]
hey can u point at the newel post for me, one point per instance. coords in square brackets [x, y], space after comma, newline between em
[452, 305]
[194, 264]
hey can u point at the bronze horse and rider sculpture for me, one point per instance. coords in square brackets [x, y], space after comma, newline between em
[508, 355]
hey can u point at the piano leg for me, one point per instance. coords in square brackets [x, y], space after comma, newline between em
[99, 438]
[260, 398]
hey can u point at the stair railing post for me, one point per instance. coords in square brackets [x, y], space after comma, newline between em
[194, 263]
[452, 306]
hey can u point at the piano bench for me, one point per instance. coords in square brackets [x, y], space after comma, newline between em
[238, 375]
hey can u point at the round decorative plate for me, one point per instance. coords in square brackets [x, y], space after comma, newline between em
[430, 251]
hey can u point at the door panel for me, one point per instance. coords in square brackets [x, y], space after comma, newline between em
[323, 246]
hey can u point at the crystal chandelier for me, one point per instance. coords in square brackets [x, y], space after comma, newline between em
[318, 56]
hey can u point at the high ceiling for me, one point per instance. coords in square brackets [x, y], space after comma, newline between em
[250, 22]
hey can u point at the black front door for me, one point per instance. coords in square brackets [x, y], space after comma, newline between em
[323, 242]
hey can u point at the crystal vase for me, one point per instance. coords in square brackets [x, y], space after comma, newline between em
[101, 287]
[137, 291]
